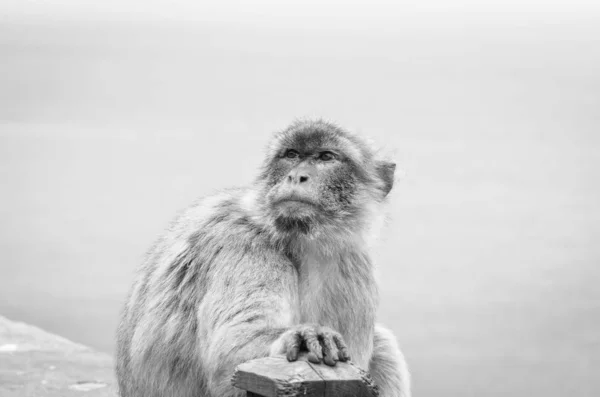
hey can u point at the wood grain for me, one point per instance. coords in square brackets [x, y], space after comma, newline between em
[276, 377]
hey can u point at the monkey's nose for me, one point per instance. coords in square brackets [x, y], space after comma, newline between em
[296, 178]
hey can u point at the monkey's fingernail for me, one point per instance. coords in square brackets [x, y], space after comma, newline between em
[329, 361]
[312, 357]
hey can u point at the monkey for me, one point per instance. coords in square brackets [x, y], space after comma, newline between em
[282, 267]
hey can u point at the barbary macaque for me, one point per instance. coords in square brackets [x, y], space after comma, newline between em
[280, 267]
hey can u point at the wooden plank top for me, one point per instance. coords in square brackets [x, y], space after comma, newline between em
[276, 377]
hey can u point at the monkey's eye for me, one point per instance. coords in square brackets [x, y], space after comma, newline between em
[291, 154]
[326, 156]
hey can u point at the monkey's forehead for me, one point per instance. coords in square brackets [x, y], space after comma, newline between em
[315, 135]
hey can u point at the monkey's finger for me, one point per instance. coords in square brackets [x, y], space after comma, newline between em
[312, 357]
[312, 344]
[330, 351]
[343, 353]
[293, 346]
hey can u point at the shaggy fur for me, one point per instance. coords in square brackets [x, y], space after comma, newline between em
[246, 274]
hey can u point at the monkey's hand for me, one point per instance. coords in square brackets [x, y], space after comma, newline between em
[322, 344]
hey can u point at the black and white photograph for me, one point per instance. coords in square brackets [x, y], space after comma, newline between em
[299, 198]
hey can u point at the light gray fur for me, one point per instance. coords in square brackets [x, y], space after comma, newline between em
[223, 285]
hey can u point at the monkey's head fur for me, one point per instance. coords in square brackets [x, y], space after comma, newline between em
[319, 179]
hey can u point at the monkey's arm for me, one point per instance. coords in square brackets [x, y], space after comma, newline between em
[248, 306]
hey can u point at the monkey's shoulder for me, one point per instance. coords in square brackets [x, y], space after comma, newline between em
[214, 231]
[221, 215]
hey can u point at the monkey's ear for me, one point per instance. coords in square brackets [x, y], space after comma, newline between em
[385, 170]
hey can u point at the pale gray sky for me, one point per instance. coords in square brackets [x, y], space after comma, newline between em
[347, 14]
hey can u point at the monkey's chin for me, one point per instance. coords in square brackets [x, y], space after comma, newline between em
[294, 216]
[293, 224]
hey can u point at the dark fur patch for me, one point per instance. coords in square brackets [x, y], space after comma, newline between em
[177, 367]
[218, 218]
[242, 220]
[386, 170]
[179, 268]
[291, 224]
[342, 186]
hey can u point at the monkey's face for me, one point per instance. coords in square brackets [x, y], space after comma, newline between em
[317, 176]
[310, 185]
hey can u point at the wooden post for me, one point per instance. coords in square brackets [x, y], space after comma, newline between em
[276, 377]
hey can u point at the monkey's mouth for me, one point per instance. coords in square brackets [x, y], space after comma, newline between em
[294, 201]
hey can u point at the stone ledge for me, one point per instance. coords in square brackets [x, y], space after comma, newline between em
[34, 362]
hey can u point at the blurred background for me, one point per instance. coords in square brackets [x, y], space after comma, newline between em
[116, 114]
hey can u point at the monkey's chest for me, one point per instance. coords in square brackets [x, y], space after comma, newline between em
[338, 303]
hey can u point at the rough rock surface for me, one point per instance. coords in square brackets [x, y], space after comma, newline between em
[36, 363]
